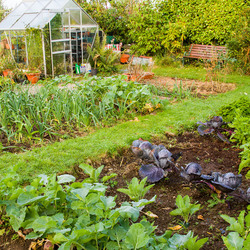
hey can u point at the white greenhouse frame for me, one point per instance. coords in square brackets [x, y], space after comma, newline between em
[74, 29]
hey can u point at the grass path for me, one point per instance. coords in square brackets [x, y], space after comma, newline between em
[59, 157]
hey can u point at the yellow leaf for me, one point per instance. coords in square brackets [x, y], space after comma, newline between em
[151, 215]
[32, 246]
[2, 231]
[175, 228]
[21, 234]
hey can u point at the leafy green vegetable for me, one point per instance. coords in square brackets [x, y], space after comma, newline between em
[80, 215]
[136, 189]
[185, 208]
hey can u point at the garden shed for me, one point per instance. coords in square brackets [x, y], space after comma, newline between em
[51, 35]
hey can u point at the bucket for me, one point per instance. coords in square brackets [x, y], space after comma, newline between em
[77, 68]
[88, 68]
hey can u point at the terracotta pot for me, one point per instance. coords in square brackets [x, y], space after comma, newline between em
[124, 58]
[6, 72]
[33, 77]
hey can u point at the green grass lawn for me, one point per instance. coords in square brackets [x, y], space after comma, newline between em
[62, 156]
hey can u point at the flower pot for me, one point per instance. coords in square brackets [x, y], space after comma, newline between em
[6, 72]
[33, 77]
[8, 46]
[94, 72]
[124, 58]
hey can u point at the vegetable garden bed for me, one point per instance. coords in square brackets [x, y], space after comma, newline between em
[211, 153]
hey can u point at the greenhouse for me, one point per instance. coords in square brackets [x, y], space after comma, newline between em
[48, 35]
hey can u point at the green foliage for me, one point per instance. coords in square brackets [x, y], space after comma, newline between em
[239, 44]
[113, 21]
[240, 237]
[241, 125]
[93, 102]
[6, 61]
[186, 241]
[166, 26]
[6, 83]
[216, 200]
[78, 214]
[245, 158]
[34, 48]
[242, 106]
[136, 189]
[238, 113]
[101, 58]
[2, 11]
[185, 208]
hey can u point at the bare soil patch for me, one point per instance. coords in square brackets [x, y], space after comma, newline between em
[196, 87]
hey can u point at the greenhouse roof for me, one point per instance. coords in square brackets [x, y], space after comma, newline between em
[37, 13]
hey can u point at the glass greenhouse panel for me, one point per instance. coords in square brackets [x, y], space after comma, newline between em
[8, 22]
[41, 20]
[75, 17]
[37, 6]
[23, 22]
[65, 18]
[87, 20]
[55, 4]
[56, 27]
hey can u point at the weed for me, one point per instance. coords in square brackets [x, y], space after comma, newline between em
[220, 160]
[207, 160]
[14, 237]
[216, 200]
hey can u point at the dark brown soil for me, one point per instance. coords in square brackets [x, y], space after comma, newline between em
[211, 153]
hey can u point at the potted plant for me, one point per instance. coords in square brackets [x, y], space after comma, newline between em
[33, 75]
[35, 57]
[94, 71]
[7, 64]
[102, 59]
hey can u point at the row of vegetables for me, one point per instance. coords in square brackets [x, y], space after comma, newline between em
[43, 113]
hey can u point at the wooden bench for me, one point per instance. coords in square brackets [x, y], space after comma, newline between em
[206, 52]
